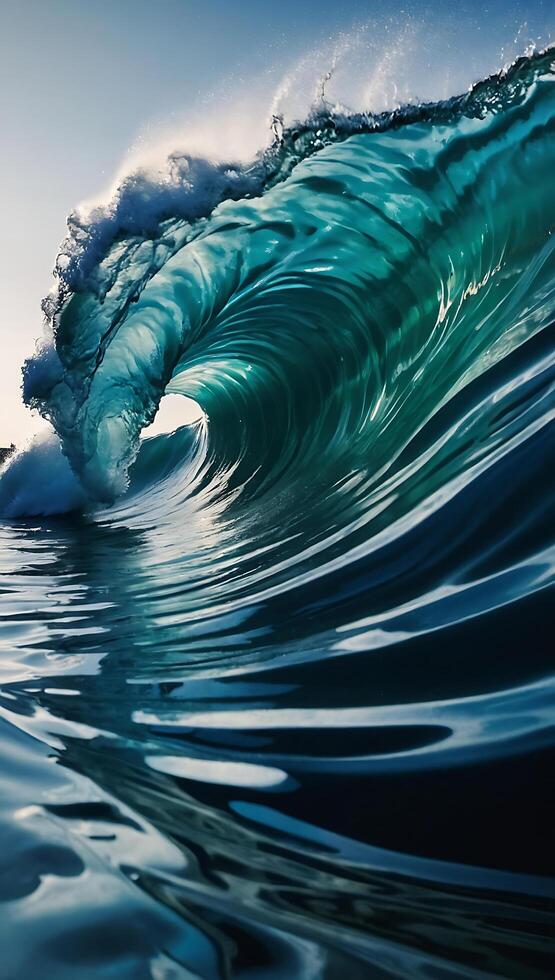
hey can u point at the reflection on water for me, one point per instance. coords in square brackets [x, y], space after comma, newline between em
[218, 787]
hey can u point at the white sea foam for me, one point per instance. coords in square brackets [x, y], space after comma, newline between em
[38, 481]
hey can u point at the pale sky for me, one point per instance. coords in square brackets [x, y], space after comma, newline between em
[81, 80]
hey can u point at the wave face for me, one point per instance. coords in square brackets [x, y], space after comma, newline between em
[277, 697]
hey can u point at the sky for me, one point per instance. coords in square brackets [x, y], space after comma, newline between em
[84, 82]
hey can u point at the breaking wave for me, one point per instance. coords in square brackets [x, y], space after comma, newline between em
[307, 636]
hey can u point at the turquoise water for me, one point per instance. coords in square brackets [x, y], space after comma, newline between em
[277, 689]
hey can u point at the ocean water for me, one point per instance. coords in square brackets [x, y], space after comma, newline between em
[276, 689]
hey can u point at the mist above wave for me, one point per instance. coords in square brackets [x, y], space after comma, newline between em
[232, 146]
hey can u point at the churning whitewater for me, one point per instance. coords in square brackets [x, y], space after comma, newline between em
[284, 677]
